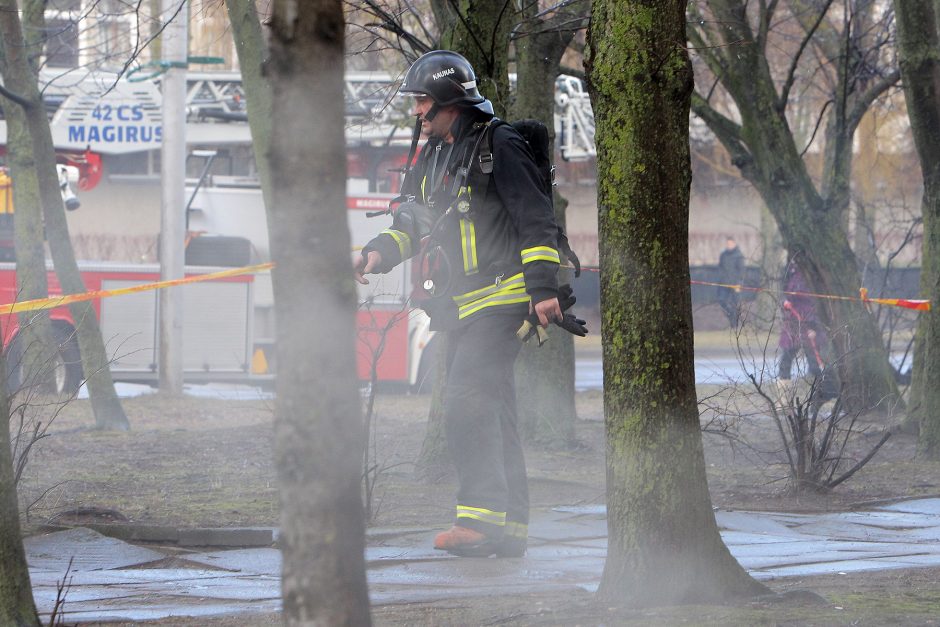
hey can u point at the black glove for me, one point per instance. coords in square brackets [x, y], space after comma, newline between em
[573, 324]
[569, 322]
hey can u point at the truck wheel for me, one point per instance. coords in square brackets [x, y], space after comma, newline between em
[65, 376]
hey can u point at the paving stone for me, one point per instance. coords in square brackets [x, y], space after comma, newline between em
[243, 561]
[87, 549]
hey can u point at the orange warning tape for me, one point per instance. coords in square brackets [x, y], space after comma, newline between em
[66, 299]
[906, 303]
[918, 305]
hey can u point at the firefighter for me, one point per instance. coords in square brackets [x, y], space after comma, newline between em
[483, 229]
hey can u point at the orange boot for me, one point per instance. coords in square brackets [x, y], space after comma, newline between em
[464, 542]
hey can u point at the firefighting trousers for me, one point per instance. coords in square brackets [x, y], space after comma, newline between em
[481, 426]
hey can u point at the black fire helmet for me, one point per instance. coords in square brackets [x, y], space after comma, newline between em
[445, 76]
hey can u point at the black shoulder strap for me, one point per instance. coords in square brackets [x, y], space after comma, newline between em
[479, 148]
[486, 151]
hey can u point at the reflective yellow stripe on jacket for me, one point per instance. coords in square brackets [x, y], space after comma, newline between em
[468, 243]
[403, 241]
[540, 253]
[507, 292]
[483, 515]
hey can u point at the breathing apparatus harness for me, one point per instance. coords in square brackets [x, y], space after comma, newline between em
[417, 219]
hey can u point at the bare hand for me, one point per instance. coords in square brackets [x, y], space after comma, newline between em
[811, 334]
[365, 265]
[548, 311]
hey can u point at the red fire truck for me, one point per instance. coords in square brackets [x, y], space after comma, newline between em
[217, 335]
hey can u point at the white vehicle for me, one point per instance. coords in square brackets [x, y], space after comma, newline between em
[230, 210]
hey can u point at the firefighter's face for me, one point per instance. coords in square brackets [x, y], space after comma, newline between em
[443, 120]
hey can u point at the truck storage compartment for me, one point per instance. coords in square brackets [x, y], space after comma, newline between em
[218, 250]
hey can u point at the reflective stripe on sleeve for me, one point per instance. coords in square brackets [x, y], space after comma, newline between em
[483, 515]
[540, 253]
[403, 241]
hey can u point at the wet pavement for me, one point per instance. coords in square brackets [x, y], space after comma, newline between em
[111, 579]
[589, 371]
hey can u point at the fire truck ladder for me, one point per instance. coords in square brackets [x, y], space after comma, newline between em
[373, 113]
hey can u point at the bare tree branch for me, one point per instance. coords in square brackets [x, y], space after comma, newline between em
[864, 102]
[9, 95]
[727, 131]
[766, 16]
[791, 73]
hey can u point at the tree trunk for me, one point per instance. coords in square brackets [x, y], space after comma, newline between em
[16, 593]
[20, 78]
[663, 541]
[34, 337]
[252, 50]
[479, 30]
[771, 265]
[318, 418]
[434, 462]
[919, 57]
[544, 375]
[866, 196]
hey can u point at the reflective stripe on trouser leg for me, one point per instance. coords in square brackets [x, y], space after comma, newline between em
[517, 530]
[466, 514]
[480, 435]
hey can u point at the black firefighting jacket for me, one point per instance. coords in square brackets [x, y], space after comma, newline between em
[494, 257]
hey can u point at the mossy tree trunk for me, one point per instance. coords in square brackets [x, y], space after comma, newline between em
[919, 57]
[318, 417]
[762, 146]
[16, 592]
[545, 375]
[20, 77]
[663, 541]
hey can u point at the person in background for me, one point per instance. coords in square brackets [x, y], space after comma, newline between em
[802, 331]
[730, 272]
